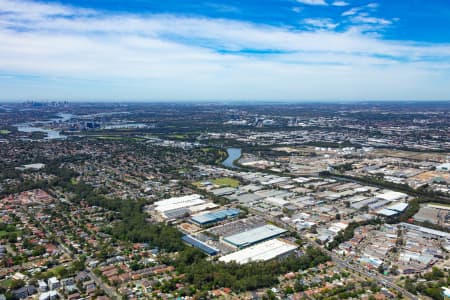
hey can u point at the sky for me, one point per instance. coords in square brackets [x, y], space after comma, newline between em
[194, 50]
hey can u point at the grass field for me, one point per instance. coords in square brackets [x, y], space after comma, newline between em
[5, 284]
[198, 184]
[231, 182]
[4, 131]
[6, 234]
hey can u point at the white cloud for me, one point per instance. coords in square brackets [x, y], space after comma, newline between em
[97, 55]
[372, 5]
[34, 10]
[313, 2]
[351, 12]
[362, 18]
[340, 3]
[321, 23]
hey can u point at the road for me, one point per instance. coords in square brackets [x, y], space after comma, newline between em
[111, 292]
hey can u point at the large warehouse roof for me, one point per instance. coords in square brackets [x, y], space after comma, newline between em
[400, 206]
[254, 236]
[387, 212]
[216, 216]
[178, 202]
[422, 229]
[260, 252]
[200, 245]
[391, 196]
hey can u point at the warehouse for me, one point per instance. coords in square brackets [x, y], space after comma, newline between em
[223, 191]
[201, 207]
[261, 252]
[426, 232]
[400, 206]
[248, 198]
[178, 202]
[427, 214]
[387, 212]
[393, 209]
[378, 204]
[253, 236]
[200, 245]
[392, 196]
[276, 201]
[176, 213]
[363, 203]
[214, 217]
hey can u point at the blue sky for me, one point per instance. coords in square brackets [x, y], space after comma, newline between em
[225, 50]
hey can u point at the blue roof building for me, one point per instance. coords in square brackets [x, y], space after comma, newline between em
[200, 245]
[214, 217]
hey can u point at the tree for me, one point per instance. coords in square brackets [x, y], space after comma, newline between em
[270, 295]
[380, 269]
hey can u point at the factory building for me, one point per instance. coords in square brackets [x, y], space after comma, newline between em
[180, 207]
[261, 252]
[214, 217]
[200, 245]
[178, 202]
[253, 236]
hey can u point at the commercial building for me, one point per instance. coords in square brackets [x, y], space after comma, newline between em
[200, 245]
[443, 167]
[427, 214]
[177, 205]
[253, 236]
[400, 206]
[426, 232]
[53, 283]
[261, 252]
[387, 212]
[214, 217]
[223, 191]
[393, 209]
[392, 196]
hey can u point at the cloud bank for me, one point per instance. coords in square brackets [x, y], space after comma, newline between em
[55, 51]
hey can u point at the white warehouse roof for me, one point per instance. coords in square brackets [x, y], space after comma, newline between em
[391, 196]
[276, 201]
[178, 202]
[399, 206]
[260, 252]
[387, 212]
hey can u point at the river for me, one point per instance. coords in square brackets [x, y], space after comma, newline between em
[51, 133]
[233, 154]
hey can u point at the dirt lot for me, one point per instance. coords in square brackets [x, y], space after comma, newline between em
[426, 176]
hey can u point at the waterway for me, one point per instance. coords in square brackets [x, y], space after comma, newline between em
[51, 134]
[233, 154]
